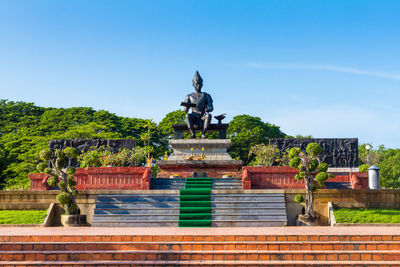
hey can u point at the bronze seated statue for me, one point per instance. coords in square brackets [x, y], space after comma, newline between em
[202, 106]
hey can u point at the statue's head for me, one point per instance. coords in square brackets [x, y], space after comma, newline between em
[197, 82]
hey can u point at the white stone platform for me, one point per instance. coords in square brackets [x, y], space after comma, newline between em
[214, 149]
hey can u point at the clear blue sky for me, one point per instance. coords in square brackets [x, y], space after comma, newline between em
[325, 68]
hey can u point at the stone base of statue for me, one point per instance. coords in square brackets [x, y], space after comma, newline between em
[199, 158]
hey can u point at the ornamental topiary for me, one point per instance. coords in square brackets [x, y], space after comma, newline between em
[54, 164]
[312, 170]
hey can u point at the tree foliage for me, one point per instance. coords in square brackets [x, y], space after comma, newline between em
[390, 168]
[388, 160]
[246, 131]
[25, 129]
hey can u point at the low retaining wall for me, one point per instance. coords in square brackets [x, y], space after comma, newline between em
[34, 200]
[346, 198]
[101, 178]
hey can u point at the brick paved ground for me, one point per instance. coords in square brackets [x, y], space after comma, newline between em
[290, 230]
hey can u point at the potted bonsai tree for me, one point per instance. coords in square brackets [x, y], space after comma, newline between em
[57, 165]
[314, 174]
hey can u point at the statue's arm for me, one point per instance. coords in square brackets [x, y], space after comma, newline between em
[210, 106]
[187, 100]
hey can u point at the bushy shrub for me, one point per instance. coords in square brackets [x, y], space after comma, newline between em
[264, 155]
[363, 168]
[102, 157]
[299, 198]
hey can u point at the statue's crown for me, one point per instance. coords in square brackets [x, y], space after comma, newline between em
[197, 78]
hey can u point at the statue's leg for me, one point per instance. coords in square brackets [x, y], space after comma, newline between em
[206, 125]
[190, 124]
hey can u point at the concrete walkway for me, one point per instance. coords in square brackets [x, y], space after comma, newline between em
[314, 230]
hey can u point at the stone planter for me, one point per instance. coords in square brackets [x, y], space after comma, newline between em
[73, 220]
[303, 221]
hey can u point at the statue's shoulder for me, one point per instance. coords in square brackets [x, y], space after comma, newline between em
[207, 95]
[191, 94]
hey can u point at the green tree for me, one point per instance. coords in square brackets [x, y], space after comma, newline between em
[371, 156]
[312, 171]
[246, 131]
[390, 168]
[174, 117]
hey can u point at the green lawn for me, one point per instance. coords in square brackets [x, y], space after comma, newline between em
[22, 216]
[360, 215]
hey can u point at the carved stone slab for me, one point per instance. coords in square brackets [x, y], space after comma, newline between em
[214, 149]
[337, 152]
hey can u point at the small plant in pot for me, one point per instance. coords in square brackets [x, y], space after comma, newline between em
[57, 165]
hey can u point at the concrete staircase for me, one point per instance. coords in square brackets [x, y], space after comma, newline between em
[179, 183]
[160, 208]
[338, 185]
[103, 249]
[230, 206]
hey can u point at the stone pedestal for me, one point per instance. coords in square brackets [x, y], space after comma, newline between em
[216, 163]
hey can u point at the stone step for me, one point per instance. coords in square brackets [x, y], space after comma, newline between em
[137, 198]
[136, 217]
[175, 210]
[392, 256]
[214, 217]
[245, 198]
[294, 234]
[114, 211]
[249, 223]
[157, 197]
[142, 205]
[154, 223]
[201, 263]
[175, 204]
[193, 245]
[338, 185]
[174, 223]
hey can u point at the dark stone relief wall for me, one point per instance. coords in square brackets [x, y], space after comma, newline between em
[337, 152]
[83, 145]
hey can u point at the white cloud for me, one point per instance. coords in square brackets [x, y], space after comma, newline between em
[324, 67]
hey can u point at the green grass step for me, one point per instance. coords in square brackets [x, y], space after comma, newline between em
[195, 210]
[197, 187]
[195, 216]
[195, 198]
[195, 203]
[202, 203]
[195, 191]
[194, 223]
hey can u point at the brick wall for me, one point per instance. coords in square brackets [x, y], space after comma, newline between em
[101, 178]
[282, 177]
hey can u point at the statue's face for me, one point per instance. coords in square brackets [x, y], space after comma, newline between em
[197, 86]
